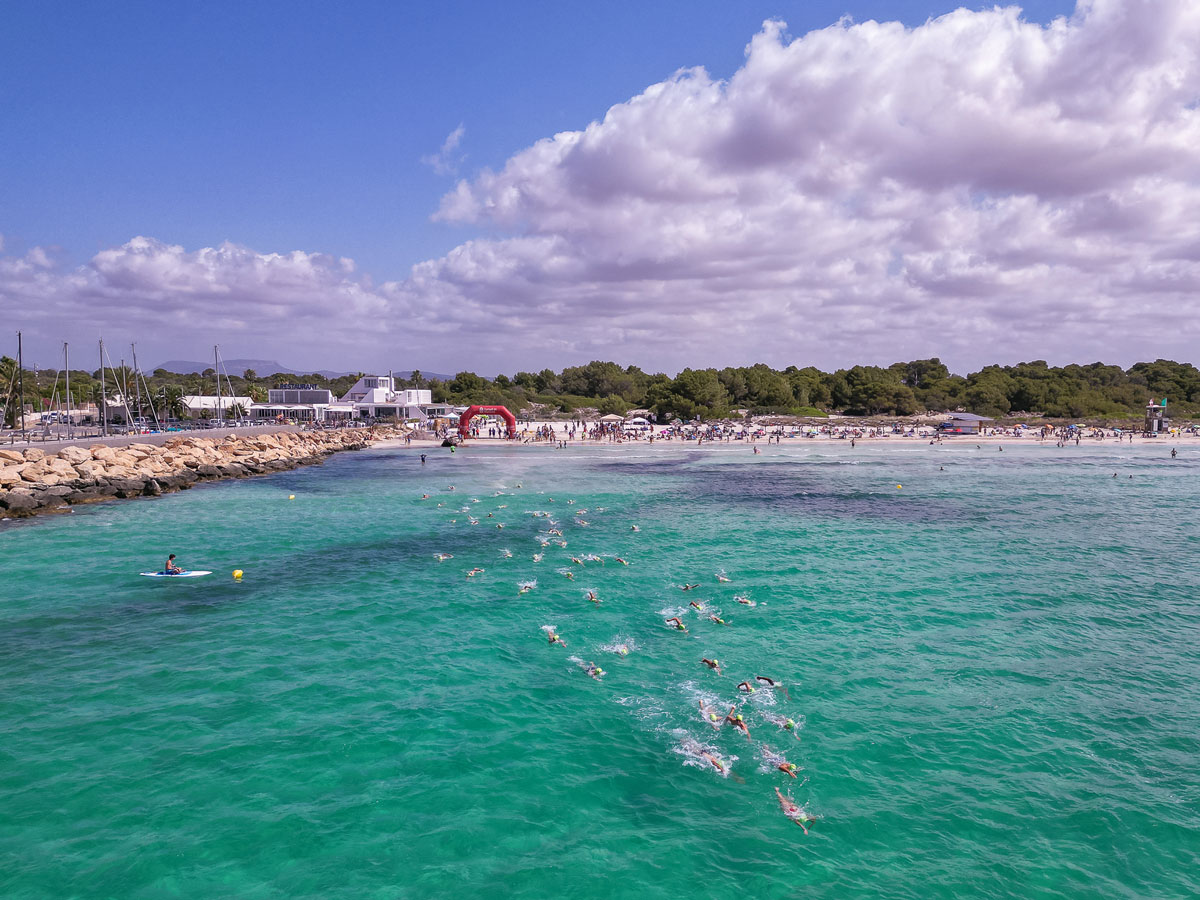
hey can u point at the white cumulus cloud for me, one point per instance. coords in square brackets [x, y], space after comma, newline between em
[978, 187]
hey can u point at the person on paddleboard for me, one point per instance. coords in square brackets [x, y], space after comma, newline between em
[170, 568]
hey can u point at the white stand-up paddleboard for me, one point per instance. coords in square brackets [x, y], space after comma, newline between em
[195, 573]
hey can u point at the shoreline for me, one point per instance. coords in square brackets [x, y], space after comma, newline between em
[33, 482]
[1172, 440]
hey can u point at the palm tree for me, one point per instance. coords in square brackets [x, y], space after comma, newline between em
[257, 393]
[171, 399]
[416, 378]
[249, 376]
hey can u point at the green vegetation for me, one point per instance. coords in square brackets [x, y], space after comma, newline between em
[1093, 391]
[905, 388]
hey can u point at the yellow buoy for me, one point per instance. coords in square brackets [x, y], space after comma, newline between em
[291, 496]
[237, 574]
[898, 487]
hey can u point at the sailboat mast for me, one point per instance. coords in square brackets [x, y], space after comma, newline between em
[137, 384]
[67, 366]
[217, 370]
[21, 383]
[103, 394]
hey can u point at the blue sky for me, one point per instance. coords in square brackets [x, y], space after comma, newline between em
[286, 126]
[977, 184]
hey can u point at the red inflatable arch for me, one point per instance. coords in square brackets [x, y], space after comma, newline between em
[501, 411]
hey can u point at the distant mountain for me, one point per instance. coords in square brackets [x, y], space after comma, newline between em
[265, 367]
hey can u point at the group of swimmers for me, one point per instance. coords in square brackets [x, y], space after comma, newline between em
[733, 717]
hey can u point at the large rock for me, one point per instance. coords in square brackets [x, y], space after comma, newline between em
[33, 454]
[60, 466]
[15, 456]
[89, 495]
[103, 453]
[18, 501]
[126, 487]
[75, 455]
[9, 475]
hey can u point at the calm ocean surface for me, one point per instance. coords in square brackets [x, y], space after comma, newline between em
[996, 671]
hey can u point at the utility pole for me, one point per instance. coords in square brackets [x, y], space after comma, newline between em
[21, 388]
[103, 393]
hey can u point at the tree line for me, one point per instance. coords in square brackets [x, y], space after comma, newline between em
[1096, 391]
[1033, 389]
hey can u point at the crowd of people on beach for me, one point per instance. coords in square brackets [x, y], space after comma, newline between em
[560, 434]
[738, 705]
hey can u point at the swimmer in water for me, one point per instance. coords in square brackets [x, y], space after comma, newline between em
[746, 687]
[745, 601]
[552, 636]
[442, 557]
[499, 526]
[696, 606]
[783, 723]
[506, 554]
[591, 595]
[771, 683]
[634, 528]
[713, 664]
[689, 587]
[577, 560]
[713, 761]
[621, 561]
[723, 579]
[778, 761]
[475, 571]
[596, 672]
[538, 557]
[718, 620]
[734, 718]
[676, 624]
[792, 811]
[424, 496]
[569, 575]
[712, 715]
[527, 586]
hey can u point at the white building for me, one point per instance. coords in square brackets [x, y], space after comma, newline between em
[371, 397]
[194, 406]
[298, 402]
[376, 397]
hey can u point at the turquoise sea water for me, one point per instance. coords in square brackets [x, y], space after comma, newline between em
[995, 670]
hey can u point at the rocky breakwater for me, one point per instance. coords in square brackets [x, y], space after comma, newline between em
[32, 481]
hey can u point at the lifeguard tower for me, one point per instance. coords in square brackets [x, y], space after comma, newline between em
[1156, 416]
